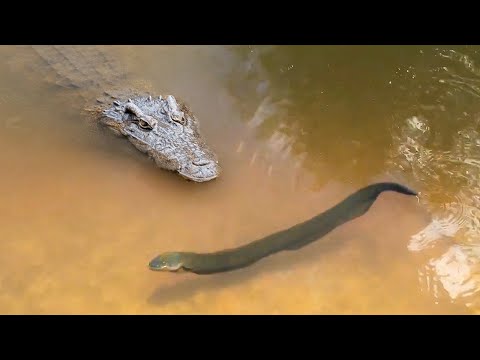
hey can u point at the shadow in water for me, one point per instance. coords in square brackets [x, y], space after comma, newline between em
[296, 237]
[337, 114]
[287, 260]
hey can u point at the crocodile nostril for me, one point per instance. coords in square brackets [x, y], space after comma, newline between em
[201, 162]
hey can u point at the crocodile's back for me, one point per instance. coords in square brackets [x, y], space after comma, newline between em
[158, 125]
[80, 66]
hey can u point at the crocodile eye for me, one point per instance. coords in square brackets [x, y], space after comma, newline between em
[144, 125]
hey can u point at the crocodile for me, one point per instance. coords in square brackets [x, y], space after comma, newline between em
[161, 126]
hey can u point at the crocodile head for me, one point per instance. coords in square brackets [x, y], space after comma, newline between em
[165, 130]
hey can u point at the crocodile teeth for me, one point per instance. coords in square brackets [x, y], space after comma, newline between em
[150, 98]
[116, 102]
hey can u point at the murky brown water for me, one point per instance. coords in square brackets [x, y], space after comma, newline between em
[297, 129]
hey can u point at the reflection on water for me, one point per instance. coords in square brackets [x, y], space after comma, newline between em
[297, 128]
[418, 111]
[449, 179]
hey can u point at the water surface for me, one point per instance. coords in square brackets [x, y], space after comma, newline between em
[297, 128]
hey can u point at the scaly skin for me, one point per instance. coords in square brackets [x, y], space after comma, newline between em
[160, 126]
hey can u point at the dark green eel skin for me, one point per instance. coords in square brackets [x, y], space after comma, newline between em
[292, 238]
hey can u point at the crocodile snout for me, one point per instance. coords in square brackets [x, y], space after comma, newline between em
[201, 170]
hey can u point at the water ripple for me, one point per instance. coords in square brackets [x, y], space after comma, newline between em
[448, 175]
